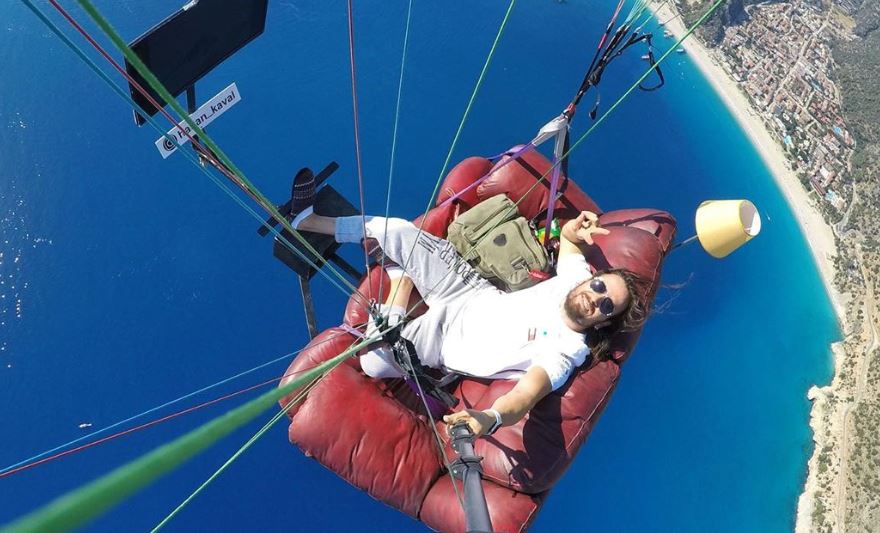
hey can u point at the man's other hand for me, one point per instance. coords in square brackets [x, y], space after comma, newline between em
[582, 228]
[478, 421]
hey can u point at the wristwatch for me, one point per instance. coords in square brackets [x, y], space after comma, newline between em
[498, 421]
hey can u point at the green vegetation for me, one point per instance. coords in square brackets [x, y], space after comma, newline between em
[819, 513]
[712, 30]
[858, 63]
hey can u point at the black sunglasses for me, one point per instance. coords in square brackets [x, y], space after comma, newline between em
[606, 306]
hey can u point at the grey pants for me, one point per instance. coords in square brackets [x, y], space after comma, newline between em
[442, 277]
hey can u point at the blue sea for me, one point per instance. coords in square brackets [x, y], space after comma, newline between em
[127, 280]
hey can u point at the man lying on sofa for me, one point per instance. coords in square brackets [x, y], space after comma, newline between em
[537, 336]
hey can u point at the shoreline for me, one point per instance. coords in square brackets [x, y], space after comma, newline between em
[818, 233]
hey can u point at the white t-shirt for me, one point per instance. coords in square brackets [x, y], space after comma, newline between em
[502, 335]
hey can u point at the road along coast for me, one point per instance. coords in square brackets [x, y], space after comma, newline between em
[828, 417]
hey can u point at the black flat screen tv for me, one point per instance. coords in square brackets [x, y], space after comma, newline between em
[187, 45]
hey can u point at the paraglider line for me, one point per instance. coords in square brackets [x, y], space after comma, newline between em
[357, 140]
[227, 169]
[268, 425]
[586, 134]
[85, 503]
[461, 124]
[37, 459]
[136, 428]
[394, 138]
[439, 441]
[124, 96]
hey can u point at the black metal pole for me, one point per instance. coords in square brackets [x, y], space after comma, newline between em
[309, 306]
[191, 108]
[467, 468]
[685, 242]
[191, 99]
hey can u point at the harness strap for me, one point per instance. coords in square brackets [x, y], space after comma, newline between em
[537, 175]
[513, 155]
[406, 356]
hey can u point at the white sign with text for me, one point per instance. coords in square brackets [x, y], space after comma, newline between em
[202, 116]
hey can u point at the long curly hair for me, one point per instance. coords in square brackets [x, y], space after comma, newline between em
[631, 319]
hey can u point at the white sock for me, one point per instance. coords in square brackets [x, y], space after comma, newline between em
[394, 272]
[302, 216]
[396, 311]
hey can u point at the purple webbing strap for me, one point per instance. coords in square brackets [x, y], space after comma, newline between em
[354, 331]
[512, 157]
[434, 406]
[551, 201]
[496, 157]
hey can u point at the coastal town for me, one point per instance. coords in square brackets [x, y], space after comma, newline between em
[775, 67]
[783, 62]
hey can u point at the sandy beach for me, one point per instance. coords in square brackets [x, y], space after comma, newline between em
[817, 232]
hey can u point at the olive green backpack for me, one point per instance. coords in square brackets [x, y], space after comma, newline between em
[499, 243]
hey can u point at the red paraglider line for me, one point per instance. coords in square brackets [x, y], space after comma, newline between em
[161, 108]
[152, 423]
[197, 146]
[134, 429]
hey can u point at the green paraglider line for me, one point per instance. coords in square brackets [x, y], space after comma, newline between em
[234, 456]
[101, 74]
[38, 459]
[189, 155]
[229, 168]
[473, 98]
[45, 457]
[394, 137]
[464, 119]
[642, 78]
[586, 134]
[86, 503]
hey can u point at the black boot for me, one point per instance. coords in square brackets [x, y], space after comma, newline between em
[303, 194]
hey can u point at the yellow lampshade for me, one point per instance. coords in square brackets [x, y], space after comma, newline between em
[725, 225]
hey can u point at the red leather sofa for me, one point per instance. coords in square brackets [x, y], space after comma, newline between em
[398, 461]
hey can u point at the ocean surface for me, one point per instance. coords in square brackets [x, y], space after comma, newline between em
[127, 280]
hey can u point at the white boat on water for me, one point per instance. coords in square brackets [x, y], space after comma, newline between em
[85, 425]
